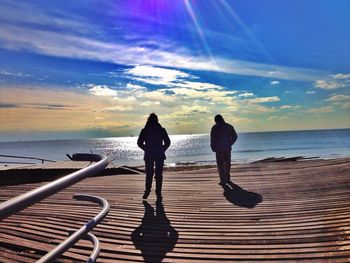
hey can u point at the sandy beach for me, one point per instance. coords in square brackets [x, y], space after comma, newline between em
[278, 211]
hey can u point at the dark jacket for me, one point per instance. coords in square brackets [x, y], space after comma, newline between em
[154, 140]
[222, 136]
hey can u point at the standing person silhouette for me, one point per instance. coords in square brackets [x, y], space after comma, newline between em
[154, 141]
[222, 137]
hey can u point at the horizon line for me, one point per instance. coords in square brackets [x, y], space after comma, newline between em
[188, 134]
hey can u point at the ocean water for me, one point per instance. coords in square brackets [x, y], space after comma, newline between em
[193, 148]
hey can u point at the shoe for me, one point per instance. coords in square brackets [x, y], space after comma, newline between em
[145, 195]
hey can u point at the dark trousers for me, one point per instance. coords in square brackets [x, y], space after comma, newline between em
[223, 160]
[150, 164]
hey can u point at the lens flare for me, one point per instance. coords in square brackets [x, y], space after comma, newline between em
[200, 32]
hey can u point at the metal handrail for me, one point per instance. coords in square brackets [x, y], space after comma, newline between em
[82, 232]
[94, 255]
[25, 157]
[22, 201]
[96, 243]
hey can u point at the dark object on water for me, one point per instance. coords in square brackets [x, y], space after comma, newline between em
[284, 159]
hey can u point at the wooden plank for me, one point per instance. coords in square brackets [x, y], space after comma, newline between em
[304, 216]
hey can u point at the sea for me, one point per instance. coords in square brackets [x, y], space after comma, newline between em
[190, 149]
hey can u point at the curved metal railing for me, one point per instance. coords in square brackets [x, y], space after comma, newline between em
[22, 201]
[82, 232]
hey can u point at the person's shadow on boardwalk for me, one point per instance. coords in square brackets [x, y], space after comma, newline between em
[155, 236]
[240, 197]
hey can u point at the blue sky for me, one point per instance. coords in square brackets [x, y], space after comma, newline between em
[98, 68]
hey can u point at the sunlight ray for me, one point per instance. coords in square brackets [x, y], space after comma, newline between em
[248, 32]
[198, 28]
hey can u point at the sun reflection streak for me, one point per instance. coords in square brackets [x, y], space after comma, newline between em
[246, 30]
[198, 28]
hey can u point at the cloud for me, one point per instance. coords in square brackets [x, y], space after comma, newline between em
[332, 82]
[187, 111]
[63, 43]
[119, 108]
[199, 85]
[273, 118]
[150, 103]
[309, 92]
[337, 98]
[8, 105]
[245, 95]
[287, 107]
[326, 109]
[135, 87]
[216, 96]
[265, 99]
[346, 105]
[341, 76]
[251, 108]
[275, 82]
[102, 90]
[340, 100]
[157, 95]
[14, 74]
[168, 77]
[157, 75]
[32, 114]
[46, 106]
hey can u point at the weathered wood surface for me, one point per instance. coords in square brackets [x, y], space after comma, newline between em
[291, 211]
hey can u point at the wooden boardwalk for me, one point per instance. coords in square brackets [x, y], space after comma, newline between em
[291, 211]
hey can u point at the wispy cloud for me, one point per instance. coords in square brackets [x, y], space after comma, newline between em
[289, 107]
[101, 90]
[337, 98]
[118, 108]
[188, 111]
[8, 105]
[45, 41]
[133, 87]
[14, 74]
[346, 105]
[245, 95]
[342, 101]
[325, 109]
[157, 75]
[150, 103]
[333, 82]
[273, 118]
[265, 99]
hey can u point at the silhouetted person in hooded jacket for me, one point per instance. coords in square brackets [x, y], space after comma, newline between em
[222, 137]
[154, 141]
